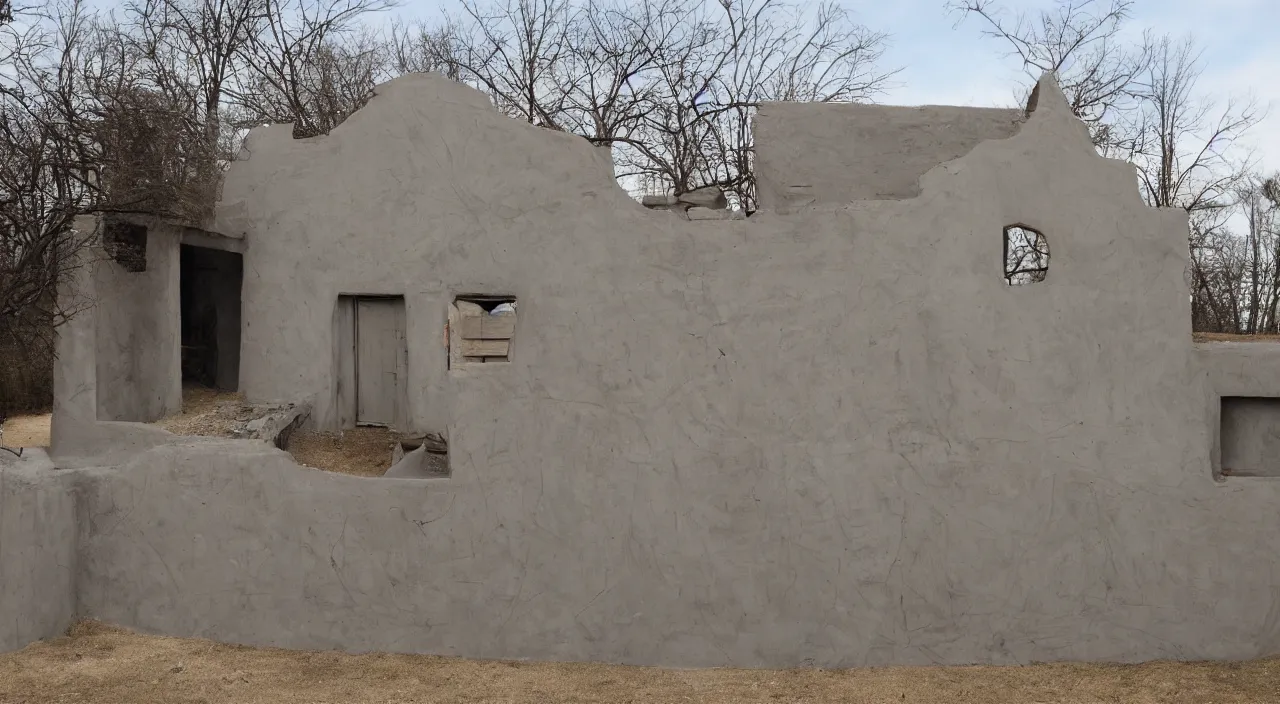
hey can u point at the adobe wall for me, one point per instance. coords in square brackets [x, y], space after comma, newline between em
[104, 368]
[37, 549]
[830, 154]
[138, 360]
[833, 436]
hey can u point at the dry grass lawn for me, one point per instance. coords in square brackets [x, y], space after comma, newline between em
[26, 431]
[107, 665]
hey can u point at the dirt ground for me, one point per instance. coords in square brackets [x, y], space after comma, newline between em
[26, 431]
[364, 452]
[107, 665]
[204, 412]
[208, 412]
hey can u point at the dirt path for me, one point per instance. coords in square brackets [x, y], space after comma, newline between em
[112, 666]
[26, 431]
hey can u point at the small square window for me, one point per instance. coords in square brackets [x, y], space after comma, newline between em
[126, 243]
[481, 329]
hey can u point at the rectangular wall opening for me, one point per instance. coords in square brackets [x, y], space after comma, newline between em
[210, 281]
[1249, 438]
[482, 329]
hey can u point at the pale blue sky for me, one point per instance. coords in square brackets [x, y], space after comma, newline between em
[949, 65]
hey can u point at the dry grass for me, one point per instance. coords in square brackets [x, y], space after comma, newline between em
[209, 412]
[1224, 337]
[364, 452]
[27, 431]
[107, 665]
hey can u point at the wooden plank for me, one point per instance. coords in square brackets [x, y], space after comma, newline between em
[344, 322]
[467, 308]
[499, 327]
[378, 343]
[401, 401]
[485, 348]
[488, 327]
[472, 327]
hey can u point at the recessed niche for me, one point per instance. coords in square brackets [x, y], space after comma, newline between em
[482, 329]
[126, 243]
[1026, 255]
[1250, 436]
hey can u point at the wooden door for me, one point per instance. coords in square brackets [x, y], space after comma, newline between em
[379, 360]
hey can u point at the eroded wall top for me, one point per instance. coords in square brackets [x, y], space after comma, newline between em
[831, 154]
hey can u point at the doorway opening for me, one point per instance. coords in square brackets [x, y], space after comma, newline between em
[209, 283]
[372, 361]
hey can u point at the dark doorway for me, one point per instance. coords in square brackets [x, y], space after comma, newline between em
[210, 287]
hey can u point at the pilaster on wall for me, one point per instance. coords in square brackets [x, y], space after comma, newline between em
[137, 309]
[78, 438]
[75, 392]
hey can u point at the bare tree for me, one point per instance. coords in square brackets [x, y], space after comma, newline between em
[305, 66]
[756, 52]
[1078, 40]
[141, 115]
[1142, 102]
[615, 50]
[1179, 142]
[670, 85]
[336, 78]
[49, 168]
[192, 50]
[420, 48]
[511, 49]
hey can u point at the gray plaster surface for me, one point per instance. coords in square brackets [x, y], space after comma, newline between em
[836, 153]
[1242, 370]
[138, 335]
[833, 436]
[88, 345]
[37, 549]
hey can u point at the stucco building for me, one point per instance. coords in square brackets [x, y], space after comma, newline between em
[830, 433]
